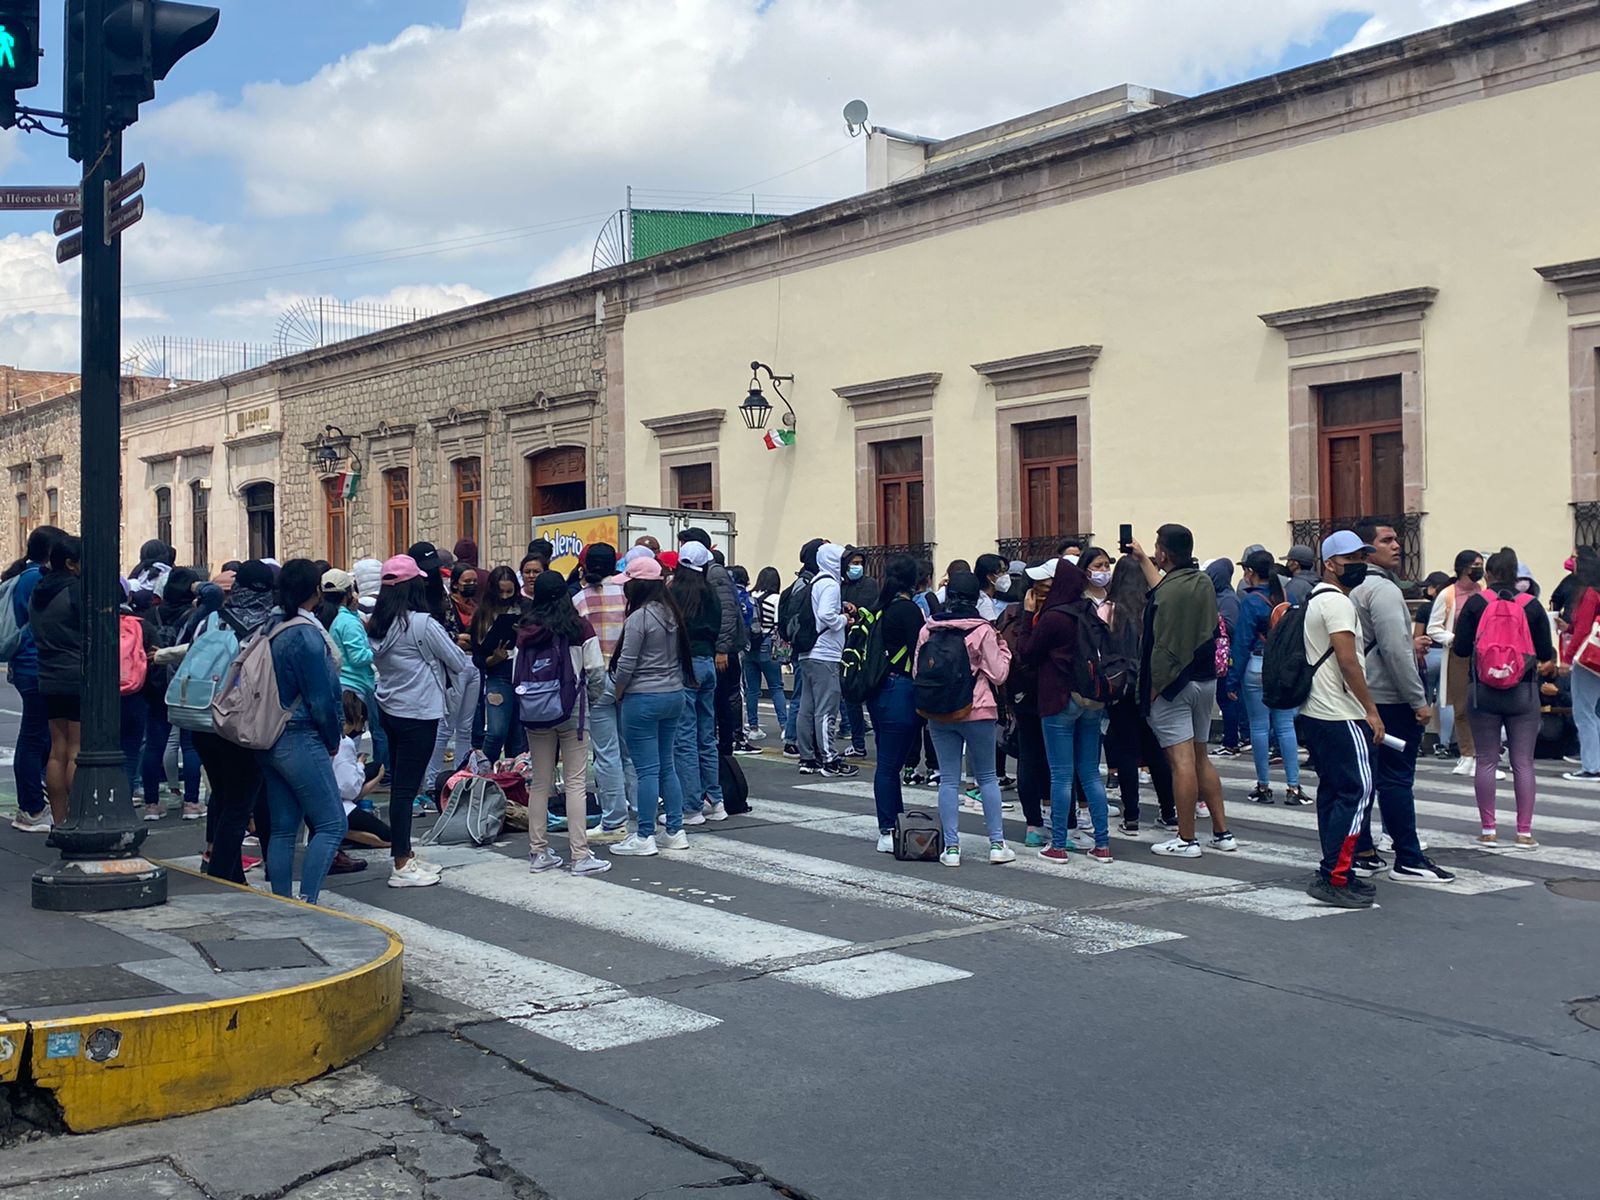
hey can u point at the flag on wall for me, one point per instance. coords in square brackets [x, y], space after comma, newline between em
[778, 439]
[348, 482]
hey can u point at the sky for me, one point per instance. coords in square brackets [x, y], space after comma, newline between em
[426, 154]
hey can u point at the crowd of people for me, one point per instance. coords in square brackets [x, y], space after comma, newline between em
[640, 673]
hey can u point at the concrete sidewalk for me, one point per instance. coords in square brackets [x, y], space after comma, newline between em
[215, 996]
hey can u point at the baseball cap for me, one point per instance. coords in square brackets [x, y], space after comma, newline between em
[1254, 548]
[400, 568]
[1302, 555]
[643, 567]
[337, 581]
[1043, 569]
[425, 555]
[668, 559]
[694, 556]
[1343, 541]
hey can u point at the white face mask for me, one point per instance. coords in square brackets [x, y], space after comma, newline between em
[1100, 578]
[1002, 585]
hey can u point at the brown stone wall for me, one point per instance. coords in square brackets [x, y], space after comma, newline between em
[39, 446]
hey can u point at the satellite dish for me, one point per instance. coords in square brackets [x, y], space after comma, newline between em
[855, 116]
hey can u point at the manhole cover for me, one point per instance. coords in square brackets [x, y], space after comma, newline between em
[258, 954]
[1588, 1011]
[1575, 889]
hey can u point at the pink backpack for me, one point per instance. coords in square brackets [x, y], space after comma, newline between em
[1502, 654]
[1224, 652]
[134, 664]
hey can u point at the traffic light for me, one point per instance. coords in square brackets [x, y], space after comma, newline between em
[19, 54]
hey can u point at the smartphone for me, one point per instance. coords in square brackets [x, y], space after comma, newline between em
[1124, 538]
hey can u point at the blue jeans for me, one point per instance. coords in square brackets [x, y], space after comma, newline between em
[894, 720]
[650, 729]
[380, 738]
[1433, 675]
[134, 714]
[606, 740]
[300, 786]
[1280, 722]
[794, 707]
[156, 732]
[950, 739]
[1072, 748]
[33, 748]
[1585, 702]
[760, 667]
[1233, 720]
[854, 722]
[504, 735]
[696, 753]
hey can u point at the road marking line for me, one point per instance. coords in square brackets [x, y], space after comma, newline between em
[708, 933]
[565, 1006]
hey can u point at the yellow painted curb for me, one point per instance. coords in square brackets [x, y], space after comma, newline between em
[117, 1068]
[13, 1037]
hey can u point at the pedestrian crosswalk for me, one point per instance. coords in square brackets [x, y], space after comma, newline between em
[785, 894]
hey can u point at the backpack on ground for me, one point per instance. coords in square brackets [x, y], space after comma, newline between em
[474, 812]
[797, 618]
[194, 684]
[10, 627]
[1286, 672]
[133, 662]
[246, 709]
[865, 662]
[1502, 653]
[1103, 671]
[945, 681]
[917, 836]
[548, 689]
[735, 788]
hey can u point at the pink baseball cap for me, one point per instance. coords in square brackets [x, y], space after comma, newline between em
[400, 568]
[643, 567]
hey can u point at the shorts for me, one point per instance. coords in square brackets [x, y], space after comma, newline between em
[63, 708]
[1187, 718]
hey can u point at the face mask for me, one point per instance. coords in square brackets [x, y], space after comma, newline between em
[856, 571]
[1522, 585]
[1002, 585]
[1476, 574]
[1100, 578]
[1351, 575]
[469, 590]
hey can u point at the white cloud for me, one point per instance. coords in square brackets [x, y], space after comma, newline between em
[1399, 19]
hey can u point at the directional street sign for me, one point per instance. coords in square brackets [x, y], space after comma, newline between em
[25, 199]
[67, 220]
[118, 215]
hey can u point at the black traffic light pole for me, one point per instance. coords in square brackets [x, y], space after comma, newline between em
[100, 868]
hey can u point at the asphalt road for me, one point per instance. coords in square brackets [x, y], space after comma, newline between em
[785, 999]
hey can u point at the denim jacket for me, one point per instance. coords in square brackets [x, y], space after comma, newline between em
[308, 682]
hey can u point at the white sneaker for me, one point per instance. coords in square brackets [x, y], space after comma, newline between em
[675, 841]
[1177, 848]
[591, 866]
[886, 843]
[636, 846]
[969, 805]
[431, 868]
[1224, 842]
[1386, 843]
[999, 853]
[716, 812]
[40, 822]
[412, 875]
[1081, 838]
[543, 861]
[950, 857]
[1008, 805]
[1465, 766]
[694, 818]
[755, 734]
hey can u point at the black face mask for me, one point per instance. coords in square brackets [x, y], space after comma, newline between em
[1351, 575]
[1476, 574]
[469, 590]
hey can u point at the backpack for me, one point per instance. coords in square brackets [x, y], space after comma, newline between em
[162, 637]
[747, 607]
[131, 656]
[547, 688]
[1286, 673]
[246, 709]
[10, 627]
[1103, 671]
[945, 681]
[917, 836]
[865, 663]
[474, 812]
[735, 788]
[194, 684]
[1502, 653]
[798, 618]
[1224, 648]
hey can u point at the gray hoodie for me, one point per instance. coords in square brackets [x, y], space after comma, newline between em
[1391, 660]
[826, 606]
[648, 659]
[417, 662]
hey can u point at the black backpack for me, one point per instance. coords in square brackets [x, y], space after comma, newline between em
[945, 682]
[1286, 673]
[865, 661]
[798, 620]
[1103, 670]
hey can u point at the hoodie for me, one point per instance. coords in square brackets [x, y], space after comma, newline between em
[1180, 629]
[55, 614]
[417, 663]
[588, 664]
[989, 656]
[1220, 572]
[827, 607]
[1049, 642]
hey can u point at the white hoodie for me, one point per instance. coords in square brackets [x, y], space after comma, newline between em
[826, 606]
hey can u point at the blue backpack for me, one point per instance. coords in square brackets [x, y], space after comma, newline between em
[747, 606]
[199, 677]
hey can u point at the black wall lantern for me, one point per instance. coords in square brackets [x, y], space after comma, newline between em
[756, 411]
[331, 448]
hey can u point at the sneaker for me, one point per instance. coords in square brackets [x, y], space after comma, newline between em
[152, 812]
[1169, 823]
[918, 779]
[1055, 854]
[1369, 866]
[933, 779]
[1465, 766]
[1424, 872]
[1296, 797]
[344, 864]
[1572, 760]
[1000, 853]
[1582, 776]
[1225, 752]
[1274, 757]
[1101, 855]
[1442, 753]
[972, 793]
[746, 750]
[950, 856]
[248, 863]
[1525, 841]
[1081, 838]
[1007, 782]
[854, 752]
[1362, 887]
[608, 837]
[674, 841]
[1224, 841]
[1487, 838]
[908, 776]
[411, 875]
[1320, 890]
[39, 822]
[810, 766]
[755, 734]
[423, 864]
[1007, 805]
[250, 842]
[193, 812]
[593, 865]
[1260, 794]
[1127, 830]
[840, 770]
[790, 750]
[543, 861]
[971, 804]
[1177, 848]
[421, 806]
[715, 812]
[886, 843]
[636, 847]
[1113, 809]
[694, 818]
[1035, 838]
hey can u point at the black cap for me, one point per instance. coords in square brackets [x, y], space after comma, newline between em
[962, 587]
[695, 534]
[426, 556]
[600, 560]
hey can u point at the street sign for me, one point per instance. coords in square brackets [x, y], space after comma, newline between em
[118, 215]
[126, 186]
[67, 220]
[123, 217]
[26, 199]
[68, 248]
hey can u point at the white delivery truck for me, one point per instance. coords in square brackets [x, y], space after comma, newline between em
[624, 525]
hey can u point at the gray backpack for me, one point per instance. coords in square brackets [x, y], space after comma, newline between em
[474, 814]
[917, 836]
[246, 709]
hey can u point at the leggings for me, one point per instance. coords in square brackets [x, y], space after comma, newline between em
[411, 742]
[1033, 769]
[1128, 739]
[1522, 731]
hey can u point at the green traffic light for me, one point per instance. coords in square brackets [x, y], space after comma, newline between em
[8, 49]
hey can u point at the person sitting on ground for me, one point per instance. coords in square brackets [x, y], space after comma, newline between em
[358, 779]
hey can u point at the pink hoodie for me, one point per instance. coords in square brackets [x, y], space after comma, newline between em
[990, 658]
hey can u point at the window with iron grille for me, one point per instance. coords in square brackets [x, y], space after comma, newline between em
[693, 487]
[469, 496]
[397, 492]
[164, 514]
[200, 523]
[898, 486]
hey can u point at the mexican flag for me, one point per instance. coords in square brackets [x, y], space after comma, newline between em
[778, 439]
[348, 482]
